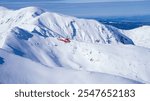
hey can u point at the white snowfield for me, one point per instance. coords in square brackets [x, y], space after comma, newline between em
[140, 36]
[27, 71]
[95, 53]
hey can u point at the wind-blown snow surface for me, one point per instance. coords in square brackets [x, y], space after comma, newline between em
[12, 71]
[34, 34]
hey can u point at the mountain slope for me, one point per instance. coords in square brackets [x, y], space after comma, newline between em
[48, 24]
[140, 36]
[31, 72]
[112, 59]
[38, 35]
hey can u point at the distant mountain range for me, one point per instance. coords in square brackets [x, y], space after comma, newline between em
[124, 22]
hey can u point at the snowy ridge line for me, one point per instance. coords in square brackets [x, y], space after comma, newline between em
[69, 44]
[140, 36]
[57, 25]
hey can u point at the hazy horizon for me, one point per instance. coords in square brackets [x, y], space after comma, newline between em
[86, 8]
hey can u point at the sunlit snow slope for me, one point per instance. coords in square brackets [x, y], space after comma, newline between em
[32, 72]
[140, 36]
[48, 24]
[37, 35]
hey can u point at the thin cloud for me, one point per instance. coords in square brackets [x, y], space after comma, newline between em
[68, 1]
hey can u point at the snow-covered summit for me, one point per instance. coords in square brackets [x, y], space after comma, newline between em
[51, 24]
[140, 36]
[48, 39]
[3, 8]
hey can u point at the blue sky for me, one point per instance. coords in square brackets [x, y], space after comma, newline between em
[86, 8]
[67, 1]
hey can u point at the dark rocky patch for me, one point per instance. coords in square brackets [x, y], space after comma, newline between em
[1, 60]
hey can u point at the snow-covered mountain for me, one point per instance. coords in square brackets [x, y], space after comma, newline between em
[46, 24]
[38, 37]
[140, 36]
